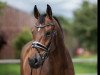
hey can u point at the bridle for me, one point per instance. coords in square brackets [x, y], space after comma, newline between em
[38, 45]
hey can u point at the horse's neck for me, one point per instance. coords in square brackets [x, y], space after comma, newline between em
[60, 61]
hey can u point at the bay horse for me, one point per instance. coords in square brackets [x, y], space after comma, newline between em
[46, 54]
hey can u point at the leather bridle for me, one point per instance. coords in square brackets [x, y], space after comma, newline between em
[38, 45]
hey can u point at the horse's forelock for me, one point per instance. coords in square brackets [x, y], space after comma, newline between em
[42, 18]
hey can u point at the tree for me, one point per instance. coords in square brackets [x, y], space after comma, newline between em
[85, 25]
[2, 5]
[21, 39]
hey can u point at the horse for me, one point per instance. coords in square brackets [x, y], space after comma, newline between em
[46, 54]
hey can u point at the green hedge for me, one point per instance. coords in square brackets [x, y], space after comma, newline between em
[22, 38]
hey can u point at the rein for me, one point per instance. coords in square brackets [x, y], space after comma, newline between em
[41, 46]
[38, 45]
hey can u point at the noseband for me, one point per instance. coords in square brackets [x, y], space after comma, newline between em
[46, 49]
[38, 45]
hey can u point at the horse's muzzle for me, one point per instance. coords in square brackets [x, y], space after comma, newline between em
[35, 62]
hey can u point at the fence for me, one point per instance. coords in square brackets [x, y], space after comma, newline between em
[17, 61]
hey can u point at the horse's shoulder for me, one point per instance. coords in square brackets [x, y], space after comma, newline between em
[26, 48]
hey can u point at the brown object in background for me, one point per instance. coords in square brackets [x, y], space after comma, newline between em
[11, 23]
[2, 40]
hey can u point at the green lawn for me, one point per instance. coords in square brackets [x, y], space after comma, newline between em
[9, 69]
[85, 68]
[14, 69]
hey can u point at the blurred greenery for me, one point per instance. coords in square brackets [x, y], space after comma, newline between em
[85, 68]
[9, 69]
[85, 25]
[2, 5]
[21, 39]
[81, 31]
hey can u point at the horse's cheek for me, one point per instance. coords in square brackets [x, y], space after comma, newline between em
[26, 67]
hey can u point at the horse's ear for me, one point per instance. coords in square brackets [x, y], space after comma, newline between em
[36, 12]
[49, 11]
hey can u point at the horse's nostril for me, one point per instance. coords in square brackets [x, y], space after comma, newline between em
[35, 60]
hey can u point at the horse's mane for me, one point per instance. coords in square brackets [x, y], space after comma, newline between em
[59, 25]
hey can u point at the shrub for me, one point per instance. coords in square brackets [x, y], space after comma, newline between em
[22, 38]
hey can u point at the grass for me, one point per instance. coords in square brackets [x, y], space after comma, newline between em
[85, 68]
[9, 69]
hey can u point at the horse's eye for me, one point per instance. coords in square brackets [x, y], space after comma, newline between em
[48, 34]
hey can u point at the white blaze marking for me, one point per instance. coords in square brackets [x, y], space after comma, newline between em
[39, 29]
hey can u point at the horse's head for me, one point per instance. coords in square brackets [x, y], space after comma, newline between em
[44, 33]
